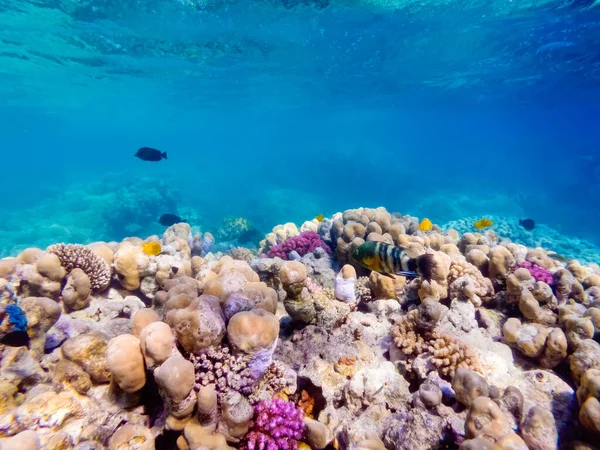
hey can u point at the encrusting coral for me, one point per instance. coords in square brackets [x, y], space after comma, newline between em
[193, 350]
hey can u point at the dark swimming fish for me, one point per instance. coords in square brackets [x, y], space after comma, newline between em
[150, 154]
[558, 257]
[170, 219]
[387, 259]
[528, 224]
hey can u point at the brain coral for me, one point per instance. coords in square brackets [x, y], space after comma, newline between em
[73, 256]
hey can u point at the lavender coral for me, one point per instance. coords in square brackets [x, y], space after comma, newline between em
[218, 367]
[277, 425]
[304, 243]
[537, 272]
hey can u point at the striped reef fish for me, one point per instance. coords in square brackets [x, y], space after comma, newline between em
[388, 259]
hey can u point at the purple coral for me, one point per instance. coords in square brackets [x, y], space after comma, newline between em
[537, 272]
[306, 242]
[277, 425]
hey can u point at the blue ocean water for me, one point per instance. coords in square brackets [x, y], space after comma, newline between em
[278, 110]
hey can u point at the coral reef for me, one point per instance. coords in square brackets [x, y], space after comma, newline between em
[107, 346]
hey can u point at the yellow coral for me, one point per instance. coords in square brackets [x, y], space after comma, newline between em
[449, 354]
[465, 280]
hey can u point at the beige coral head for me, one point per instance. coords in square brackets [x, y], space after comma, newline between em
[157, 343]
[126, 362]
[251, 331]
[292, 272]
[49, 266]
[176, 377]
[142, 318]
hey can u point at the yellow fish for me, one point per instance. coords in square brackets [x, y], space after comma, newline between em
[425, 225]
[319, 218]
[151, 248]
[483, 223]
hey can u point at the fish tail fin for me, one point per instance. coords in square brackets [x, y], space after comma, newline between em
[164, 155]
[408, 274]
[426, 265]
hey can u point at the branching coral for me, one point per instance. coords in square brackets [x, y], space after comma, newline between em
[277, 425]
[304, 243]
[73, 256]
[450, 354]
[415, 334]
[222, 370]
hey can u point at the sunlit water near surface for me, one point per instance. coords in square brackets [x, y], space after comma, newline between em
[279, 110]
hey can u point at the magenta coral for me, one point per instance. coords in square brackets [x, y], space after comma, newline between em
[537, 272]
[277, 425]
[306, 242]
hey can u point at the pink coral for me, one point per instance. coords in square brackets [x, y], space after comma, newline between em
[304, 243]
[277, 425]
[537, 272]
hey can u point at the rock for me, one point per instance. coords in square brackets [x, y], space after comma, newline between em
[42, 313]
[430, 395]
[132, 437]
[25, 440]
[66, 327]
[586, 356]
[49, 410]
[485, 419]
[468, 386]
[88, 350]
[318, 435]
[19, 368]
[545, 389]
[539, 429]
[415, 429]
[70, 374]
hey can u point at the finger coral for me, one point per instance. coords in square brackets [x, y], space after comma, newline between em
[223, 370]
[73, 256]
[450, 354]
[415, 336]
[276, 425]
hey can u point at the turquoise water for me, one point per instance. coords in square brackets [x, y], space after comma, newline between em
[280, 110]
